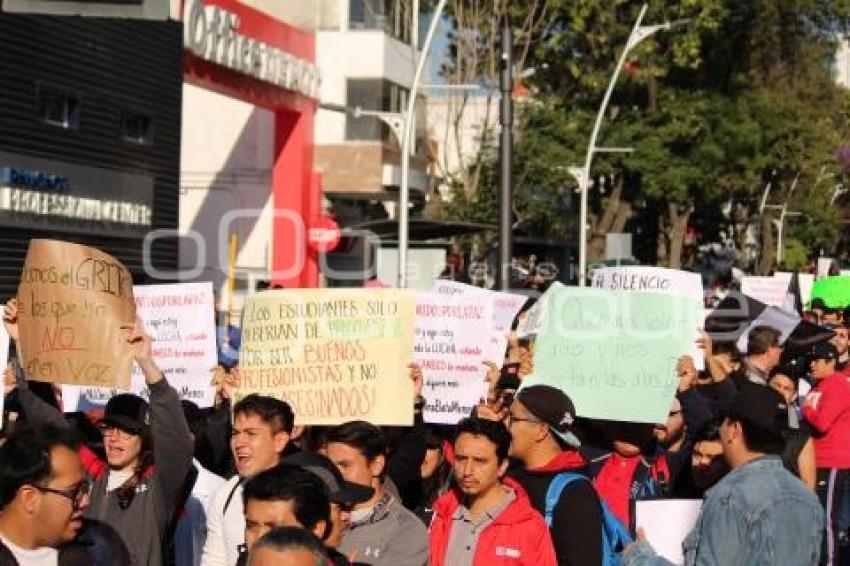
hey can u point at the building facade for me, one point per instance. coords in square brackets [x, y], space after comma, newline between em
[367, 52]
[247, 175]
[89, 138]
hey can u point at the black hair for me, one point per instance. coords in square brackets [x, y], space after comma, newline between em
[291, 538]
[709, 431]
[759, 439]
[278, 414]
[727, 348]
[788, 372]
[368, 439]
[761, 339]
[494, 431]
[297, 485]
[25, 459]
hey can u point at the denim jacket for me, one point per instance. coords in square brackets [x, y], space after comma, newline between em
[759, 514]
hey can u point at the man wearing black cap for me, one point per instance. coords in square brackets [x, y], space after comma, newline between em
[540, 420]
[758, 513]
[343, 496]
[827, 410]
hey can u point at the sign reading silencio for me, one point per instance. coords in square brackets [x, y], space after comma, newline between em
[210, 32]
[54, 195]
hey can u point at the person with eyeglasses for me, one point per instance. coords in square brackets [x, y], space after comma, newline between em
[148, 451]
[43, 495]
[540, 421]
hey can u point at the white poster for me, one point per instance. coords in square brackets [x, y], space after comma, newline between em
[769, 290]
[824, 265]
[180, 320]
[666, 523]
[448, 347]
[505, 307]
[657, 280]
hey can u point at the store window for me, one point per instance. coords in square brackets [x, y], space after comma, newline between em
[137, 128]
[393, 16]
[384, 96]
[58, 108]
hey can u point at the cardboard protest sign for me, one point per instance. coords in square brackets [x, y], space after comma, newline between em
[180, 320]
[505, 307]
[659, 280]
[769, 290]
[615, 353]
[72, 301]
[334, 355]
[666, 523]
[450, 350]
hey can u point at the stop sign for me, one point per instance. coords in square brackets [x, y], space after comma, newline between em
[323, 234]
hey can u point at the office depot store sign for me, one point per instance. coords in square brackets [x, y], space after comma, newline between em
[213, 33]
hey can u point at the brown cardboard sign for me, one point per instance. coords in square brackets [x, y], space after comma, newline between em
[72, 302]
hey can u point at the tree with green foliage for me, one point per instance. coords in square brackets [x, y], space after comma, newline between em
[712, 109]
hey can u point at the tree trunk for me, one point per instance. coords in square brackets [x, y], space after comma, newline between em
[678, 228]
[672, 228]
[617, 212]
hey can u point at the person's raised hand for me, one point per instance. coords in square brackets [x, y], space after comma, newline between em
[492, 378]
[687, 372]
[141, 346]
[494, 410]
[10, 318]
[417, 378]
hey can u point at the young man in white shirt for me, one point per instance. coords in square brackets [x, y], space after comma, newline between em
[262, 427]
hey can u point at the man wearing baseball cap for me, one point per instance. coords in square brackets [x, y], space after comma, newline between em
[827, 410]
[540, 422]
[343, 496]
[759, 513]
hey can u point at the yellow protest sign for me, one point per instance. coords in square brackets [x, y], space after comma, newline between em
[334, 355]
[72, 302]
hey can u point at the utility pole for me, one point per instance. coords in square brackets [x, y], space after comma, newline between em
[506, 121]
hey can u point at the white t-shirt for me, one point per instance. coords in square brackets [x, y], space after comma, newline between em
[44, 556]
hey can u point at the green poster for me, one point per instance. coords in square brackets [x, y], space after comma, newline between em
[614, 353]
[835, 291]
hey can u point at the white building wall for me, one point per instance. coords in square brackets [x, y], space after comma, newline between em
[225, 164]
[343, 53]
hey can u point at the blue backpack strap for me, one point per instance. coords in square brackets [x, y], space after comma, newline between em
[553, 493]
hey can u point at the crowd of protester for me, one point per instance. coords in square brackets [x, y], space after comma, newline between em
[762, 436]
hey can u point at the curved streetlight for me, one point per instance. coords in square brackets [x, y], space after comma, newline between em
[582, 174]
[404, 189]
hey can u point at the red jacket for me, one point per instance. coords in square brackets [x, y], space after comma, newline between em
[623, 479]
[827, 409]
[516, 536]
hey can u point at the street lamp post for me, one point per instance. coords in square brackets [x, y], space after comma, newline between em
[406, 142]
[783, 213]
[582, 174]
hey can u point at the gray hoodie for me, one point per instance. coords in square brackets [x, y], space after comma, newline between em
[390, 536]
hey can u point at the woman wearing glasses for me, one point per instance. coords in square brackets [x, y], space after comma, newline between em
[148, 451]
